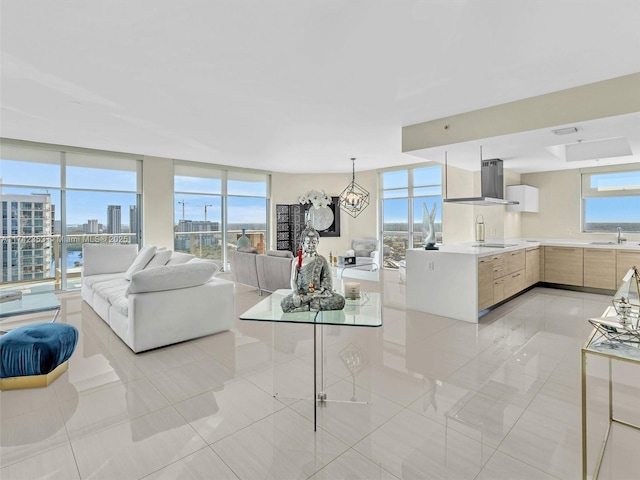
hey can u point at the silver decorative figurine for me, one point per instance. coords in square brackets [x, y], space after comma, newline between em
[311, 284]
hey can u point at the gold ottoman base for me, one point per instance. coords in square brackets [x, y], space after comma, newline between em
[33, 381]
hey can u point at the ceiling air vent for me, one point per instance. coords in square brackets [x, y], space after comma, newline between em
[566, 131]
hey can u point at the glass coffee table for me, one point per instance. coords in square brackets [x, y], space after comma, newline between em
[365, 311]
[29, 304]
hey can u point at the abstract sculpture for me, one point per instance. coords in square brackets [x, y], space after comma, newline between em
[429, 227]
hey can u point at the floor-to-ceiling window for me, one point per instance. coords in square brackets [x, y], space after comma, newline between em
[404, 195]
[214, 207]
[55, 199]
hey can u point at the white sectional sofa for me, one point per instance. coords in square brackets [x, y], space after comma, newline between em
[155, 297]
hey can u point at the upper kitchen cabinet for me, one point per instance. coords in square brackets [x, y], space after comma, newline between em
[526, 196]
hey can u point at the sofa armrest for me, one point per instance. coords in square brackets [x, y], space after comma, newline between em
[100, 258]
[274, 272]
[243, 268]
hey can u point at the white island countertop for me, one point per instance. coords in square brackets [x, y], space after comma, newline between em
[491, 247]
[445, 281]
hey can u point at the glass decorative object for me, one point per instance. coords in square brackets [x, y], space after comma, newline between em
[321, 218]
[243, 241]
[429, 226]
[623, 328]
[626, 301]
[320, 215]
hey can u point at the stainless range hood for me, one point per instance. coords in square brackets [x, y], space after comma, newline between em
[492, 181]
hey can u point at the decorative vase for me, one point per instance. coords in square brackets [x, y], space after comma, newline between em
[243, 241]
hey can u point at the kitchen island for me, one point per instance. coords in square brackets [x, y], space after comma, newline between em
[462, 281]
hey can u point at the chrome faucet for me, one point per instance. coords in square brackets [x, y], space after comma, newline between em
[620, 239]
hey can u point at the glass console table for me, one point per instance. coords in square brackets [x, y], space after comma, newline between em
[599, 344]
[363, 312]
[29, 304]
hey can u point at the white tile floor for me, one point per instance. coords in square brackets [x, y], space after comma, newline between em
[444, 399]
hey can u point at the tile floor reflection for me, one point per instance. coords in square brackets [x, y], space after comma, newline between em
[437, 398]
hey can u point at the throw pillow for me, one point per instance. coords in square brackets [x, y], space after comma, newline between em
[177, 258]
[280, 253]
[143, 257]
[160, 258]
[216, 264]
[171, 277]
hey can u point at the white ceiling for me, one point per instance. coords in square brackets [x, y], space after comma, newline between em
[301, 85]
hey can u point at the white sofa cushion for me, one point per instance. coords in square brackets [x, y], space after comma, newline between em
[91, 280]
[178, 257]
[171, 277]
[143, 257]
[217, 265]
[160, 258]
[121, 305]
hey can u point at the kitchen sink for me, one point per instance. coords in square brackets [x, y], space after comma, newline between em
[602, 243]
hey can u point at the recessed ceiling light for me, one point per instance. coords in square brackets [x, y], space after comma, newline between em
[566, 131]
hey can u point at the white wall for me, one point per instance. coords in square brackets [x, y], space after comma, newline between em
[560, 207]
[459, 219]
[559, 215]
[157, 201]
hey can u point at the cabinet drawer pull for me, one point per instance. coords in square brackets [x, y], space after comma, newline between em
[516, 275]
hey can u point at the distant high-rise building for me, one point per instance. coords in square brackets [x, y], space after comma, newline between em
[91, 227]
[27, 226]
[198, 226]
[114, 219]
[133, 223]
[184, 242]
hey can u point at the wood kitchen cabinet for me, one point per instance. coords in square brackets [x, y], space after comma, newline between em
[498, 290]
[500, 276]
[532, 266]
[514, 282]
[485, 283]
[600, 268]
[625, 259]
[564, 265]
[514, 261]
[489, 268]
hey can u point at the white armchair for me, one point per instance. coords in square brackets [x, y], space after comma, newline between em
[367, 255]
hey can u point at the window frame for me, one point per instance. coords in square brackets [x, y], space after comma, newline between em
[412, 232]
[588, 192]
[226, 176]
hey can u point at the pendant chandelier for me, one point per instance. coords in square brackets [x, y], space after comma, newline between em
[354, 199]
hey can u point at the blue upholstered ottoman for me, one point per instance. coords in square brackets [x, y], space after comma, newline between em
[35, 355]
